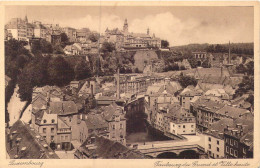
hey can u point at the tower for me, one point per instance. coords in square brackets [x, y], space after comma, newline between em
[125, 28]
[148, 31]
[26, 19]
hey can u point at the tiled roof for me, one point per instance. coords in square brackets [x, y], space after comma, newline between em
[232, 111]
[63, 108]
[209, 105]
[217, 128]
[30, 147]
[111, 111]
[95, 121]
[107, 149]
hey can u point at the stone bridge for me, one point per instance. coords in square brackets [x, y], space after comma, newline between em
[189, 148]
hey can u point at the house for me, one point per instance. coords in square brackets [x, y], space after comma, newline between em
[74, 84]
[239, 138]
[98, 147]
[23, 142]
[214, 138]
[187, 95]
[204, 109]
[180, 121]
[114, 115]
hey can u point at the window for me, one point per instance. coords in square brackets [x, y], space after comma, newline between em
[113, 127]
[44, 121]
[66, 137]
[231, 151]
[227, 149]
[52, 130]
[218, 142]
[192, 126]
[52, 121]
[179, 126]
[183, 130]
[183, 126]
[209, 146]
[227, 140]
[217, 156]
[218, 149]
[44, 137]
[210, 139]
[52, 138]
[244, 150]
[44, 130]
[235, 153]
[231, 142]
[235, 143]
[121, 126]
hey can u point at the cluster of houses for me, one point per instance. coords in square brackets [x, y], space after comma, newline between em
[209, 108]
[62, 120]
[122, 39]
[20, 29]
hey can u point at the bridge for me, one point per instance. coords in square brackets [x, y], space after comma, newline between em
[189, 148]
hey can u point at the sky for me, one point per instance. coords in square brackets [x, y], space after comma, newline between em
[178, 24]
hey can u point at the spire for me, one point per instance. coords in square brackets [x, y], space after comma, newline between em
[148, 31]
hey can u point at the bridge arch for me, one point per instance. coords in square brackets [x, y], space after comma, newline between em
[167, 155]
[189, 154]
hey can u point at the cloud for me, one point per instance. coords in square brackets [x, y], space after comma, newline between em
[169, 27]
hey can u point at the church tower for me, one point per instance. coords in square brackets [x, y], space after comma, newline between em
[148, 31]
[125, 28]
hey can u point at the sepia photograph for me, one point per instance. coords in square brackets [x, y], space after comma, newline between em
[129, 82]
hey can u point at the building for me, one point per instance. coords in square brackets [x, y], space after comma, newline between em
[40, 31]
[69, 32]
[201, 57]
[187, 95]
[24, 142]
[123, 39]
[239, 138]
[214, 138]
[180, 121]
[204, 109]
[115, 117]
[17, 27]
[96, 147]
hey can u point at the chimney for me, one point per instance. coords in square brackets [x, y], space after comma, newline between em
[229, 57]
[221, 71]
[118, 85]
[92, 91]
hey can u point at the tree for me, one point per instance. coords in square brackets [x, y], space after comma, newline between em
[241, 68]
[93, 37]
[107, 47]
[59, 71]
[245, 86]
[64, 38]
[206, 64]
[82, 70]
[187, 80]
[57, 49]
[34, 74]
[250, 68]
[164, 43]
